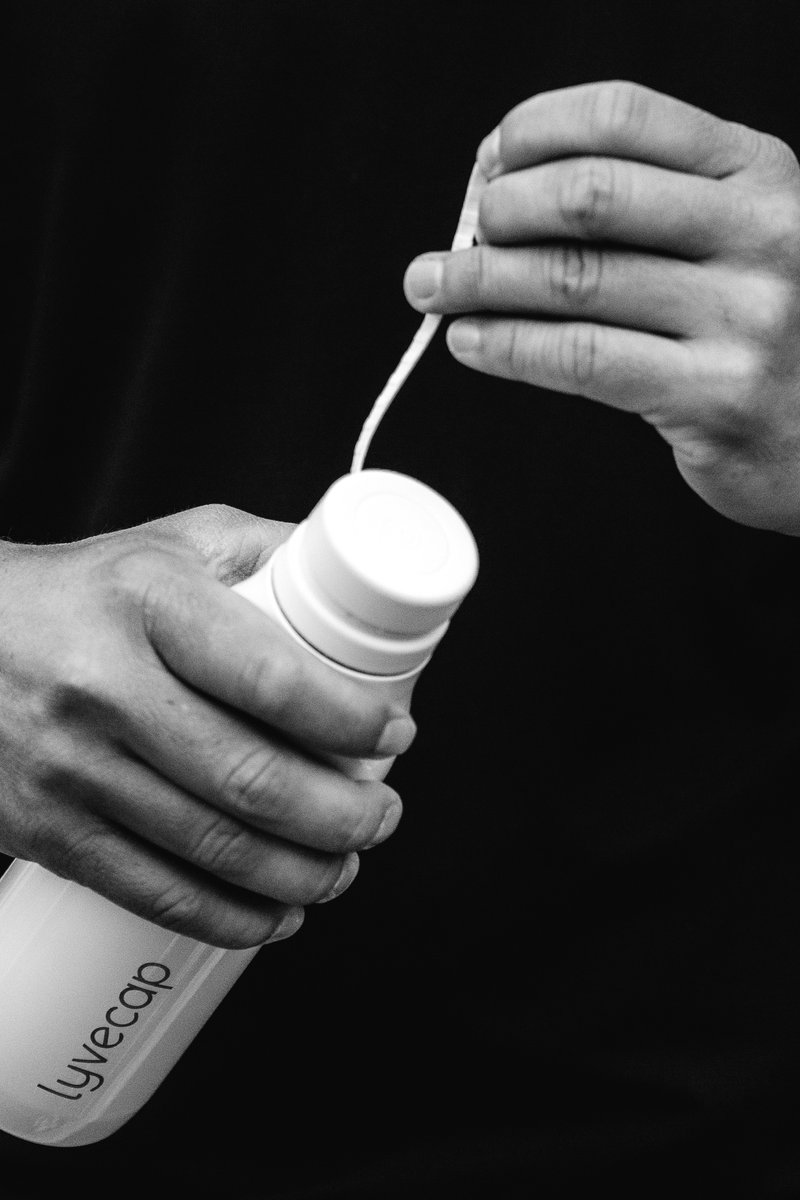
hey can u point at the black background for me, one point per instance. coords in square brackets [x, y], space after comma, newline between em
[573, 966]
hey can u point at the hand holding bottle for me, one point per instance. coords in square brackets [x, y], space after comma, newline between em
[161, 740]
[98, 1004]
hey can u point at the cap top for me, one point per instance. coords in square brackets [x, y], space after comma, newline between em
[381, 553]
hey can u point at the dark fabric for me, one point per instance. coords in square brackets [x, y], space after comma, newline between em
[575, 965]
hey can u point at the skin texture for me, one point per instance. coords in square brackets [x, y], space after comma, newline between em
[644, 253]
[161, 739]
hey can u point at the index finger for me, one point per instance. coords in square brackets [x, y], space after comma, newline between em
[619, 118]
[222, 644]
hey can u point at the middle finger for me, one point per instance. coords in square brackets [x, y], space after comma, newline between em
[248, 771]
[621, 201]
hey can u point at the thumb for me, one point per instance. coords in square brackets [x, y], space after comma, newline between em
[232, 544]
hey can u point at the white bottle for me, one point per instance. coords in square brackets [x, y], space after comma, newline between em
[96, 1004]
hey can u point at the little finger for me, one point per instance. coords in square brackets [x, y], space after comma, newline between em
[163, 889]
[624, 368]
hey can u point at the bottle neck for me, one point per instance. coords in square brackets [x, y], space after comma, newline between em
[260, 590]
[334, 632]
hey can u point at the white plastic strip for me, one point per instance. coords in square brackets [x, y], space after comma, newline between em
[464, 237]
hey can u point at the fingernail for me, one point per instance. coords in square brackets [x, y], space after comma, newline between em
[290, 924]
[346, 877]
[391, 819]
[424, 278]
[464, 337]
[489, 154]
[397, 736]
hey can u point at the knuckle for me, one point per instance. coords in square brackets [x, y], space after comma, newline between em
[85, 856]
[222, 534]
[574, 273]
[179, 907]
[770, 309]
[254, 777]
[587, 194]
[198, 529]
[737, 376]
[493, 209]
[160, 593]
[53, 769]
[738, 211]
[46, 755]
[271, 682]
[517, 352]
[80, 684]
[482, 262]
[742, 376]
[780, 225]
[224, 848]
[580, 354]
[616, 109]
[221, 516]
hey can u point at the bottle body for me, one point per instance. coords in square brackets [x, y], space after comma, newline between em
[97, 1004]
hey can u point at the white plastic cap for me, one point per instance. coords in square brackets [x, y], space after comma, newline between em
[373, 575]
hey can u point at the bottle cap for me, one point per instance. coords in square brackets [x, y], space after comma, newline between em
[373, 575]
